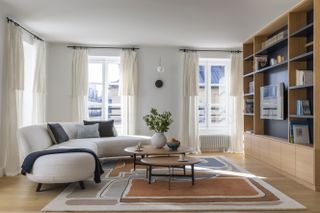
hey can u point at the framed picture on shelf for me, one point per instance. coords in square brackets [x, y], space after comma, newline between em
[303, 107]
[299, 133]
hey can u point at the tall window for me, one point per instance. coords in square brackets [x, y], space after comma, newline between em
[29, 51]
[104, 101]
[213, 93]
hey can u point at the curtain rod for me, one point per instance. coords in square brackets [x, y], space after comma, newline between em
[102, 47]
[208, 50]
[17, 24]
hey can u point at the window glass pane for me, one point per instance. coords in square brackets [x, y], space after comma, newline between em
[218, 95]
[95, 100]
[202, 96]
[114, 100]
[95, 72]
[29, 52]
[201, 74]
[113, 73]
[217, 72]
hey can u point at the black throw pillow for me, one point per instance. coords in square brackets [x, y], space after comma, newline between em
[57, 133]
[105, 127]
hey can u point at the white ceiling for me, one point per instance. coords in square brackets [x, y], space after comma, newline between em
[184, 23]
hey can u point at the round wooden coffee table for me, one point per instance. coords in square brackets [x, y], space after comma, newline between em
[149, 150]
[171, 162]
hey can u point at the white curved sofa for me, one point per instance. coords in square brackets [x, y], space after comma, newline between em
[69, 167]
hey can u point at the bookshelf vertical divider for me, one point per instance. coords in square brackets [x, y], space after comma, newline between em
[269, 140]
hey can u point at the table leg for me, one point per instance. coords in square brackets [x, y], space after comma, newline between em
[192, 174]
[134, 162]
[169, 178]
[150, 173]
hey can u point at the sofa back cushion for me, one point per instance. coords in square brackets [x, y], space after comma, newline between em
[106, 128]
[88, 131]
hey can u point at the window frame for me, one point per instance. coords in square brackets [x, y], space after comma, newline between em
[209, 126]
[104, 61]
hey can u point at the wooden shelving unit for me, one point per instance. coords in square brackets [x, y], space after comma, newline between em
[301, 51]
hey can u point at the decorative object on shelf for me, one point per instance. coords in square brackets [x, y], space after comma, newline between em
[303, 107]
[248, 106]
[273, 61]
[260, 61]
[304, 77]
[299, 132]
[274, 39]
[271, 102]
[158, 83]
[251, 87]
[280, 59]
[160, 124]
[173, 144]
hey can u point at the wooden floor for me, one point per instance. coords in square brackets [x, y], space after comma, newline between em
[17, 194]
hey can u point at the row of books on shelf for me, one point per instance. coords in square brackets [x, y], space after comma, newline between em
[248, 106]
[304, 77]
[299, 132]
[303, 107]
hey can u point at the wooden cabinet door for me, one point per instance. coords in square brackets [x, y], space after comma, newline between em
[274, 153]
[288, 160]
[305, 163]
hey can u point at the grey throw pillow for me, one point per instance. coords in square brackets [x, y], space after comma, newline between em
[88, 131]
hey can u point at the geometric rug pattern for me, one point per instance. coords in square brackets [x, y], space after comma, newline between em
[219, 185]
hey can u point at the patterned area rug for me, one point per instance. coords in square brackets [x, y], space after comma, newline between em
[219, 185]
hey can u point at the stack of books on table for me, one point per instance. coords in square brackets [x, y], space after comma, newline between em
[304, 77]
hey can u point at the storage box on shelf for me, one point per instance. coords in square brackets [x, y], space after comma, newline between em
[294, 37]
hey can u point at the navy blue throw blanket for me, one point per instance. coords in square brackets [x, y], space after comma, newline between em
[32, 157]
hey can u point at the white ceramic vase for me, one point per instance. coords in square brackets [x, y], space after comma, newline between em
[158, 140]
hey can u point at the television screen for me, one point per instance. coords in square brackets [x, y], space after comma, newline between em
[271, 102]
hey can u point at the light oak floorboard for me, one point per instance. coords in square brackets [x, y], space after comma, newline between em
[17, 194]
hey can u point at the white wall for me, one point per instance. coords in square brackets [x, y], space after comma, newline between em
[166, 98]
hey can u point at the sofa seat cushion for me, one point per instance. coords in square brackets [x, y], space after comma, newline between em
[62, 168]
[114, 146]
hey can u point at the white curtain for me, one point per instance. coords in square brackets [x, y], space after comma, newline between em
[190, 129]
[12, 98]
[39, 84]
[79, 84]
[128, 90]
[236, 103]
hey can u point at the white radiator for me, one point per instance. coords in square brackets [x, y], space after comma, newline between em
[211, 143]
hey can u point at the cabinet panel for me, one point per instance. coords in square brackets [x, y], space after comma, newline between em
[288, 158]
[275, 153]
[305, 164]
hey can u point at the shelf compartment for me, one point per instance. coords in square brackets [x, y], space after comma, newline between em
[304, 31]
[249, 58]
[272, 67]
[281, 43]
[249, 74]
[303, 57]
[249, 94]
[301, 86]
[248, 114]
[302, 116]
